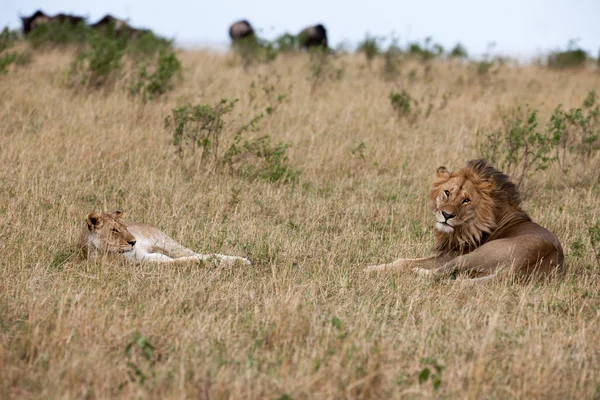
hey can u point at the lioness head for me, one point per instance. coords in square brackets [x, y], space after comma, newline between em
[468, 203]
[108, 233]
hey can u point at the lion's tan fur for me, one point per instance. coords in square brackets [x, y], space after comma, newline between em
[482, 229]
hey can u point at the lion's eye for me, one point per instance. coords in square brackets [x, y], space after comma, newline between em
[115, 230]
[447, 193]
[466, 201]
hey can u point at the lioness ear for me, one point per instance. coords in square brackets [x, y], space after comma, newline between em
[442, 172]
[118, 213]
[94, 220]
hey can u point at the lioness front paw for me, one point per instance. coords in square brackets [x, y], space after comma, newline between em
[230, 260]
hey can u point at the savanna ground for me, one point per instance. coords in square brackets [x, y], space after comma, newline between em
[304, 321]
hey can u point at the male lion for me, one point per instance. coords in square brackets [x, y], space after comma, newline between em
[480, 229]
[108, 233]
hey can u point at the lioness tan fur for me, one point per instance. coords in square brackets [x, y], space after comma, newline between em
[481, 230]
[108, 233]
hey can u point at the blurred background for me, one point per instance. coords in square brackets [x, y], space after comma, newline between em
[520, 29]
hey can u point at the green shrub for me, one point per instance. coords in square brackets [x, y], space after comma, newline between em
[259, 158]
[321, 67]
[144, 44]
[101, 63]
[521, 147]
[525, 145]
[7, 38]
[459, 51]
[199, 128]
[427, 50]
[11, 57]
[8, 58]
[286, 43]
[401, 103]
[569, 58]
[58, 34]
[253, 50]
[152, 85]
[574, 132]
[370, 47]
[392, 59]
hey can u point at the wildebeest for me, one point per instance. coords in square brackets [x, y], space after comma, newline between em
[313, 36]
[30, 23]
[120, 26]
[240, 30]
[39, 17]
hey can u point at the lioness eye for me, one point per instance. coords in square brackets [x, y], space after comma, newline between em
[447, 193]
[466, 201]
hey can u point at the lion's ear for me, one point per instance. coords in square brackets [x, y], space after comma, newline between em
[94, 220]
[118, 213]
[442, 172]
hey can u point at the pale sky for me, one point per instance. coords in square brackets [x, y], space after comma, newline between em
[518, 27]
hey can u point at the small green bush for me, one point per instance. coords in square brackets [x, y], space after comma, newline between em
[101, 63]
[152, 85]
[392, 58]
[458, 51]
[253, 50]
[427, 50]
[8, 58]
[570, 58]
[575, 131]
[11, 57]
[202, 128]
[370, 47]
[146, 44]
[259, 158]
[525, 145]
[521, 147]
[286, 43]
[59, 34]
[199, 128]
[7, 38]
[401, 103]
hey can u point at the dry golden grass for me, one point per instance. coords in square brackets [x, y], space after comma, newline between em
[304, 320]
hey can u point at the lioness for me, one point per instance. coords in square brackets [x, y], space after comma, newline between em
[481, 230]
[108, 233]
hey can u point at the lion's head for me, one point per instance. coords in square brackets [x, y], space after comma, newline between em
[108, 233]
[470, 203]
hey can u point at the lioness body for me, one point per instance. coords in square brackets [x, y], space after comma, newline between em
[481, 230]
[137, 242]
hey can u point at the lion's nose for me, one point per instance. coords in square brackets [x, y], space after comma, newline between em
[131, 242]
[448, 216]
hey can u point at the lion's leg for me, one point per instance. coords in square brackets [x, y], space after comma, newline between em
[520, 254]
[426, 263]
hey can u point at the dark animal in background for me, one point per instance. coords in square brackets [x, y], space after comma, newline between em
[313, 36]
[121, 27]
[30, 23]
[240, 30]
[39, 17]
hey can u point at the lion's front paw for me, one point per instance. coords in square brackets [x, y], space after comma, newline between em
[422, 272]
[375, 268]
